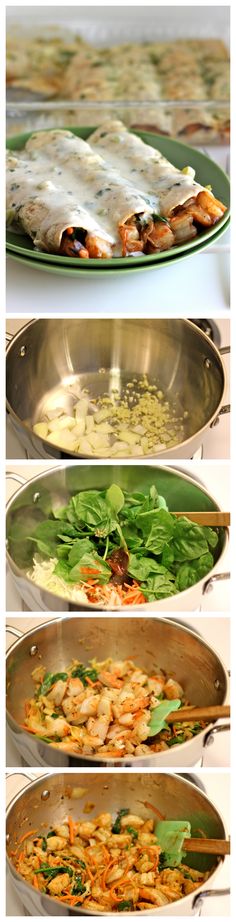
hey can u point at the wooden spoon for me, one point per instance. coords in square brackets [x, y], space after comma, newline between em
[212, 712]
[214, 519]
[207, 846]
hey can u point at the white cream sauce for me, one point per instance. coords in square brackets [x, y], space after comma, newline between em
[59, 181]
[139, 163]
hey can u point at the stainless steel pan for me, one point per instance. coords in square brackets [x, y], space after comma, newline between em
[153, 642]
[53, 796]
[47, 352]
[38, 496]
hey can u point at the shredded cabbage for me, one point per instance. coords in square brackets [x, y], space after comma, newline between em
[43, 574]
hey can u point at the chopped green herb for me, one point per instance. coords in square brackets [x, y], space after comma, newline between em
[117, 824]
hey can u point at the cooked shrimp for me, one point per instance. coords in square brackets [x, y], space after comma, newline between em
[101, 876]
[97, 248]
[58, 884]
[160, 237]
[57, 692]
[173, 689]
[56, 843]
[182, 226]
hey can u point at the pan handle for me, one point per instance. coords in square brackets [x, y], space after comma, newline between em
[223, 410]
[14, 631]
[10, 475]
[209, 583]
[208, 738]
[198, 900]
[22, 774]
[224, 350]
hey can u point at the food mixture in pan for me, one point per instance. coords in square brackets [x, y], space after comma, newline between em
[113, 196]
[134, 419]
[105, 864]
[113, 548]
[193, 70]
[112, 709]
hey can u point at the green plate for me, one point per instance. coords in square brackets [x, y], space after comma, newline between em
[73, 272]
[207, 172]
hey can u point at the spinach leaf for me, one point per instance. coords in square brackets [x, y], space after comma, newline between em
[162, 861]
[90, 566]
[142, 567]
[189, 542]
[117, 824]
[62, 569]
[132, 831]
[50, 872]
[115, 498]
[83, 672]
[79, 548]
[157, 527]
[49, 680]
[159, 714]
[46, 535]
[158, 587]
[211, 535]
[186, 577]
[175, 739]
[78, 886]
[203, 565]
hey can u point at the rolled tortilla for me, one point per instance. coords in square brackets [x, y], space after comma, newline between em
[146, 166]
[81, 190]
[44, 208]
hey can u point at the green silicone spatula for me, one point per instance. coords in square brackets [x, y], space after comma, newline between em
[174, 838]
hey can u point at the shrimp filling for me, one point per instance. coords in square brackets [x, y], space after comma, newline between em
[147, 234]
[106, 708]
[105, 864]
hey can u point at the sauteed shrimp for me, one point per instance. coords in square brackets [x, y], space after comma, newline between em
[106, 864]
[106, 708]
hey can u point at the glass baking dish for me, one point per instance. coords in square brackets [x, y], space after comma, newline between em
[206, 122]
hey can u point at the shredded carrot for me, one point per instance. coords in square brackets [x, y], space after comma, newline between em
[27, 835]
[107, 869]
[89, 681]
[71, 830]
[118, 883]
[91, 877]
[35, 882]
[154, 809]
[91, 570]
[114, 753]
[106, 853]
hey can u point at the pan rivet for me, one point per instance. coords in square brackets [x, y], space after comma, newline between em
[22, 351]
[33, 649]
[207, 363]
[45, 795]
[36, 497]
[217, 683]
[7, 838]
